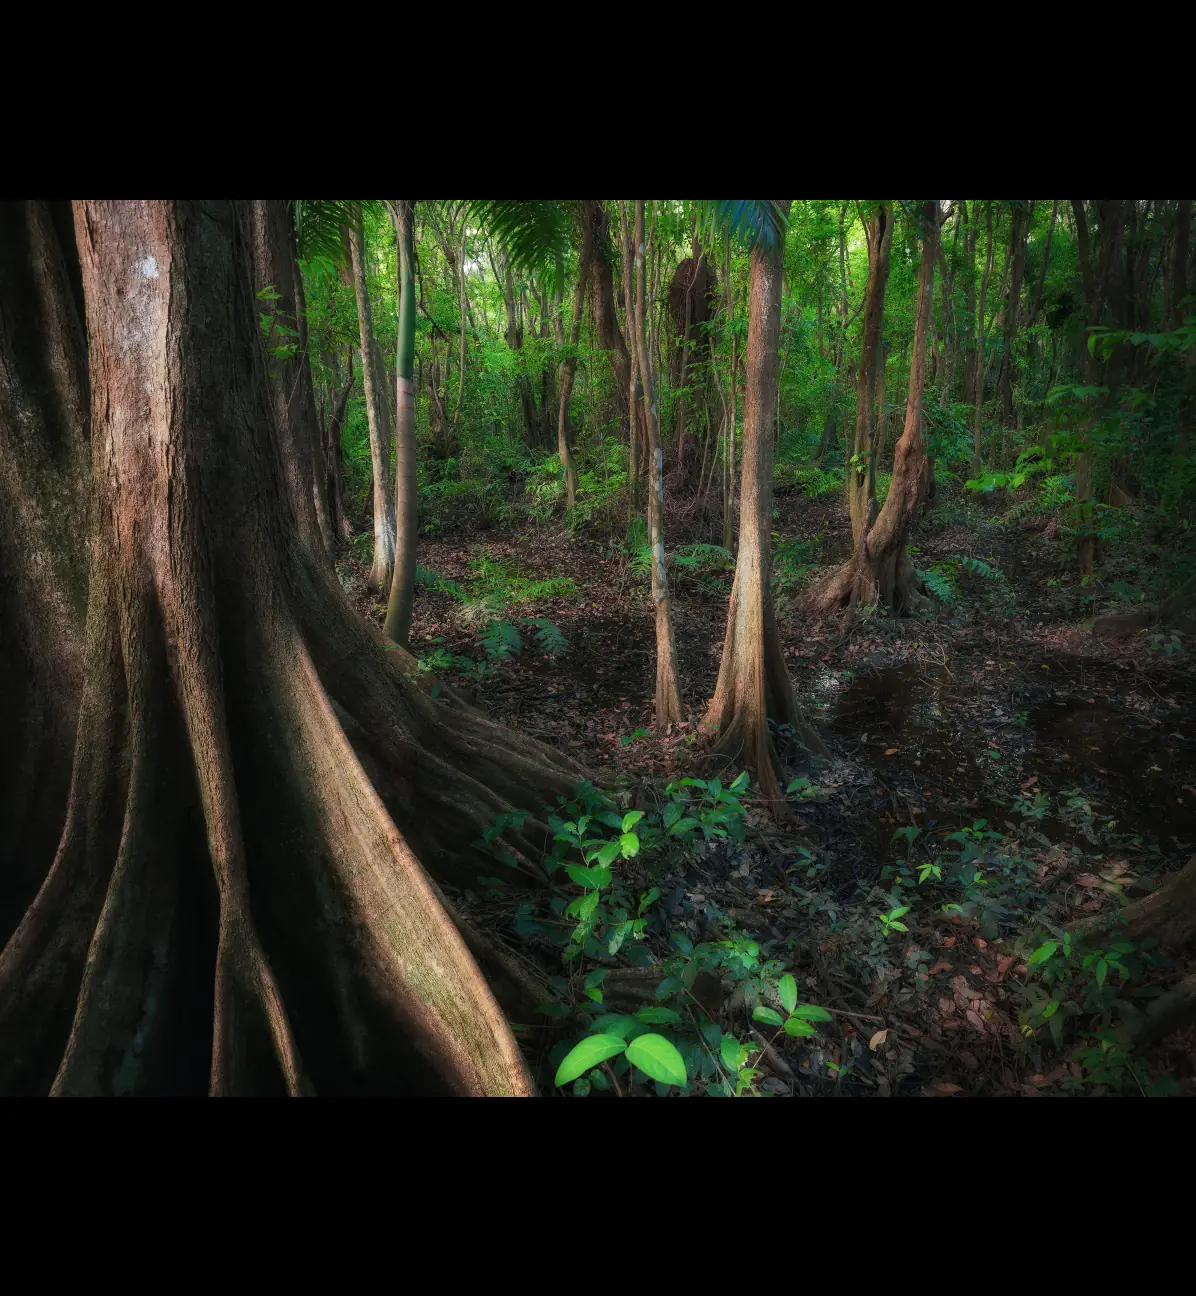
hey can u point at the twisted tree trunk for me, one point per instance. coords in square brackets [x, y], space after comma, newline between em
[235, 902]
[882, 573]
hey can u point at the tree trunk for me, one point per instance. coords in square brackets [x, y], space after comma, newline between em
[279, 286]
[753, 684]
[1019, 224]
[668, 690]
[883, 573]
[861, 478]
[44, 507]
[1046, 256]
[377, 407]
[234, 905]
[402, 586]
[569, 371]
[334, 486]
[981, 336]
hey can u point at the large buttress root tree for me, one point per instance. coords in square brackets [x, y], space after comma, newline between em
[753, 684]
[881, 572]
[44, 473]
[235, 902]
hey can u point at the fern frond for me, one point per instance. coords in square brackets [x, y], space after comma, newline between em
[752, 221]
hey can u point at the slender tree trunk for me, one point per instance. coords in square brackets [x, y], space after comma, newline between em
[276, 272]
[668, 690]
[981, 336]
[610, 338]
[377, 406]
[568, 372]
[402, 588]
[753, 684]
[1019, 224]
[231, 906]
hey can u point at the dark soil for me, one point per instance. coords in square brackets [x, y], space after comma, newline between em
[932, 723]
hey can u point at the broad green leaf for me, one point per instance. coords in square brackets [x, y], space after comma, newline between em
[618, 1024]
[811, 1012]
[609, 853]
[657, 1059]
[629, 843]
[656, 1016]
[787, 989]
[631, 818]
[769, 1016]
[740, 784]
[587, 1054]
[798, 1028]
[729, 1051]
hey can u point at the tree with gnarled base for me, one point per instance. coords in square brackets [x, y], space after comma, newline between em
[215, 884]
[880, 572]
[753, 684]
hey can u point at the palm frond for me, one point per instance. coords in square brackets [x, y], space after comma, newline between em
[318, 223]
[534, 234]
[752, 221]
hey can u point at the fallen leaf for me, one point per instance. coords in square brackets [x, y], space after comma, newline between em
[878, 1039]
[890, 751]
[942, 1089]
[974, 1020]
[949, 941]
[941, 966]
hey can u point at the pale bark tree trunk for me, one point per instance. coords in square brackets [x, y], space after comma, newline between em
[753, 684]
[377, 407]
[668, 690]
[231, 906]
[402, 587]
[569, 371]
[610, 338]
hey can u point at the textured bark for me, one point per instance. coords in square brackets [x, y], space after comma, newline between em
[234, 904]
[668, 690]
[753, 685]
[44, 471]
[377, 406]
[882, 573]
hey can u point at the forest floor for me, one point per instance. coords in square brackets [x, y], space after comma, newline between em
[1079, 752]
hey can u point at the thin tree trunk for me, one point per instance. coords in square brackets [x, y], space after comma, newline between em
[568, 372]
[981, 336]
[402, 588]
[377, 406]
[668, 690]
